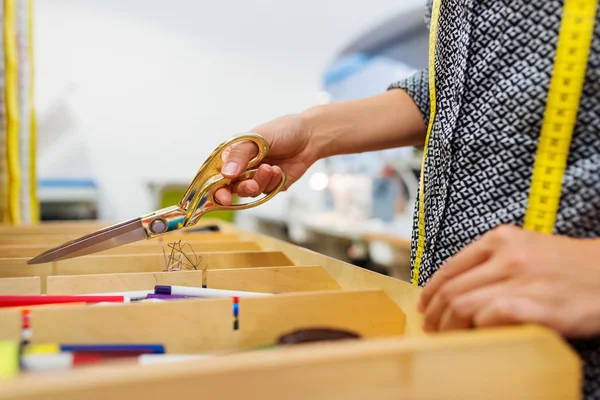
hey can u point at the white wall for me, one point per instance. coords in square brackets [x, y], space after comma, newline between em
[129, 91]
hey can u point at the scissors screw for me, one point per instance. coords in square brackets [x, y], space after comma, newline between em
[158, 226]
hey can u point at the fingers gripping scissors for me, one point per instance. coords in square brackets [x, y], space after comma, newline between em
[199, 199]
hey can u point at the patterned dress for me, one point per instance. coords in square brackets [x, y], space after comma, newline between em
[494, 60]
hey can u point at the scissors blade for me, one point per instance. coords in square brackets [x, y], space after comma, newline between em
[104, 239]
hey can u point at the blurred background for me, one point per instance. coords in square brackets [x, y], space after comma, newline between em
[132, 95]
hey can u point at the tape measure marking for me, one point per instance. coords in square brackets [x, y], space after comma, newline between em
[560, 117]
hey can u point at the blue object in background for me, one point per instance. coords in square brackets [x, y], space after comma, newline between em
[67, 199]
[385, 195]
[66, 184]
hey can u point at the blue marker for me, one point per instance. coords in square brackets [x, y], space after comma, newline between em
[115, 348]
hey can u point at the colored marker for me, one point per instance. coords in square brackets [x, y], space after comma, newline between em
[43, 348]
[147, 359]
[26, 318]
[66, 361]
[35, 306]
[57, 361]
[15, 301]
[9, 359]
[104, 349]
[114, 348]
[204, 292]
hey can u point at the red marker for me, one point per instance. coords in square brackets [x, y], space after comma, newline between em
[26, 314]
[58, 361]
[16, 301]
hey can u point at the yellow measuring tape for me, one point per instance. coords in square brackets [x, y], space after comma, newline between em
[576, 31]
[435, 16]
[573, 46]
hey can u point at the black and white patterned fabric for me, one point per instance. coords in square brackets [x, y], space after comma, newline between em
[494, 60]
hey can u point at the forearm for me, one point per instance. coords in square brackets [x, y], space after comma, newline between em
[391, 119]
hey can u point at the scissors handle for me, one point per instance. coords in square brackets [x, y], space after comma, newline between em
[199, 197]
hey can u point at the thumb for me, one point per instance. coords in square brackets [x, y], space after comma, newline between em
[236, 158]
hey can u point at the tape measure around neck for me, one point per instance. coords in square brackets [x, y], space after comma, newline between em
[574, 42]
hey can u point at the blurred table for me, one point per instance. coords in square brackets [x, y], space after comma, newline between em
[345, 238]
[398, 246]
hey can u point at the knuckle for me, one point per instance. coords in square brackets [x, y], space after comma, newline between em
[503, 234]
[236, 152]
[244, 149]
[517, 261]
[499, 311]
[244, 190]
[445, 294]
[459, 309]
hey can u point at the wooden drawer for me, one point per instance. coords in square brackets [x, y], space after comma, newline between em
[392, 359]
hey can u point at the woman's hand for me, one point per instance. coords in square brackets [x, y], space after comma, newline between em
[290, 151]
[513, 276]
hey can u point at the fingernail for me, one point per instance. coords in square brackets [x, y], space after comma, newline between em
[264, 172]
[231, 168]
[252, 188]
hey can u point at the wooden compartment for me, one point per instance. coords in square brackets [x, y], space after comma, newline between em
[103, 283]
[259, 279]
[370, 313]
[54, 240]
[206, 325]
[94, 264]
[394, 359]
[495, 365]
[272, 279]
[20, 286]
[135, 263]
[182, 326]
[10, 326]
[149, 247]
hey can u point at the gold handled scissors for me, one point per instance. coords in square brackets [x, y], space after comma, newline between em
[199, 199]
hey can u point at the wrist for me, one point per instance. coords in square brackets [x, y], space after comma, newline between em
[325, 127]
[310, 126]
